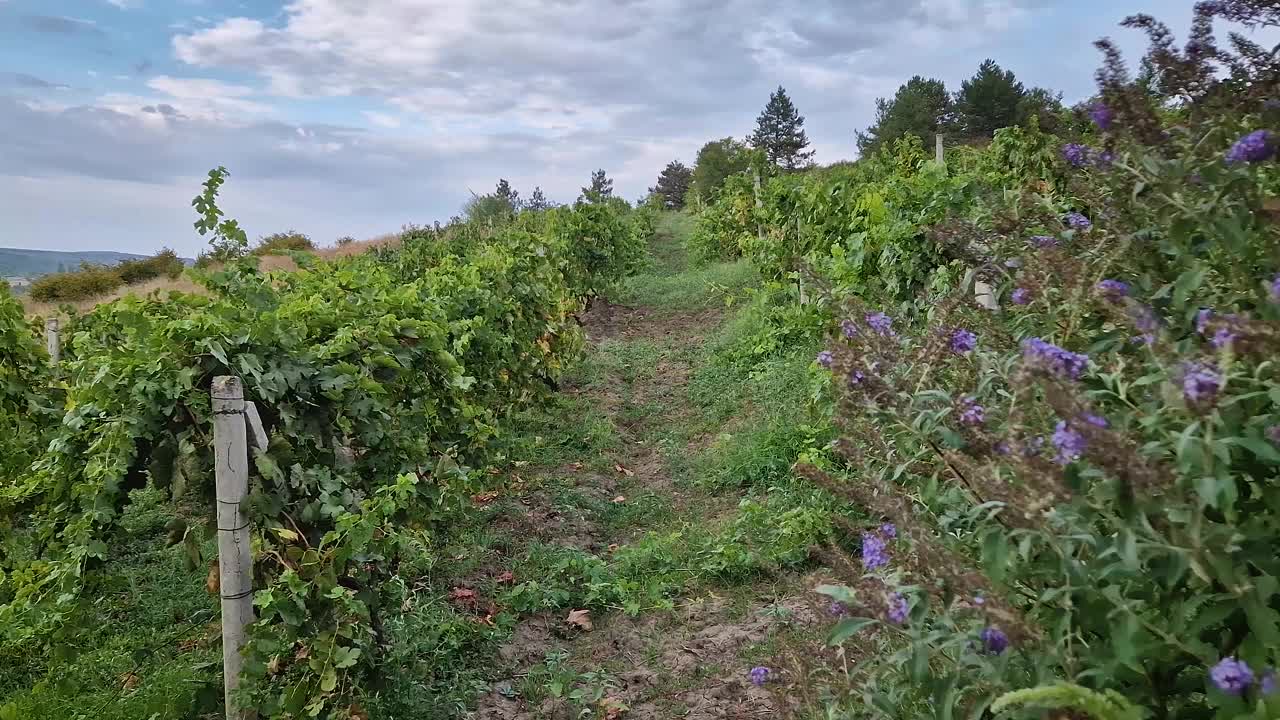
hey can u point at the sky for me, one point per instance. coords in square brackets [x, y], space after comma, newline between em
[355, 117]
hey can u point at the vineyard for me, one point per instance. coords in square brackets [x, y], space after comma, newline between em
[991, 431]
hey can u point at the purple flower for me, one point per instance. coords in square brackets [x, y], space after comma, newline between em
[759, 675]
[1076, 154]
[1113, 290]
[1274, 290]
[1020, 296]
[1145, 320]
[1044, 241]
[873, 551]
[1254, 147]
[1096, 420]
[856, 377]
[838, 609]
[1267, 683]
[994, 641]
[1231, 676]
[1104, 159]
[1053, 359]
[963, 341]
[1273, 434]
[897, 609]
[1202, 319]
[1222, 337]
[1070, 443]
[889, 530]
[825, 358]
[1002, 448]
[1200, 383]
[971, 413]
[848, 328]
[1101, 116]
[881, 323]
[979, 600]
[1032, 446]
[1076, 221]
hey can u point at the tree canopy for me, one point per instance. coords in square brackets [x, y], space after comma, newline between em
[716, 161]
[989, 100]
[673, 184]
[601, 187]
[921, 107]
[780, 133]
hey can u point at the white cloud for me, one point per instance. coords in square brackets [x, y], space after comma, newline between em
[125, 4]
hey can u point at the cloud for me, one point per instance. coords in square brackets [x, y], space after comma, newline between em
[58, 25]
[125, 4]
[30, 82]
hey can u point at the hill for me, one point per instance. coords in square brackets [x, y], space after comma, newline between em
[33, 263]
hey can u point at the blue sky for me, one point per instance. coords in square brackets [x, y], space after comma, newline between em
[341, 117]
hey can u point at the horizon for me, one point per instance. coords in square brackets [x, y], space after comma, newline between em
[334, 122]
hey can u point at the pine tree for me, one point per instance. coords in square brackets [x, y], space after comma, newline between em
[673, 184]
[780, 133]
[506, 193]
[989, 100]
[601, 187]
[920, 107]
[537, 201]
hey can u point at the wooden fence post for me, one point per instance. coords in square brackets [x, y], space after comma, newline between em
[52, 340]
[937, 148]
[235, 558]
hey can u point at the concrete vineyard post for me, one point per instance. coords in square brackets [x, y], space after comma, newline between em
[937, 148]
[52, 340]
[235, 559]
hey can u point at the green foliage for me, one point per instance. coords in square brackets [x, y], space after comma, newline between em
[988, 101]
[921, 107]
[780, 135]
[601, 187]
[27, 410]
[282, 243]
[89, 281]
[1117, 525]
[673, 185]
[227, 240]
[716, 161]
[163, 264]
[381, 379]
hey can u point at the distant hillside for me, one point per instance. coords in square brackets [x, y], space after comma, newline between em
[33, 263]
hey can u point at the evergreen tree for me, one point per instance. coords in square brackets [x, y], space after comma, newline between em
[601, 187]
[506, 193]
[1045, 106]
[780, 133]
[716, 161]
[920, 107]
[537, 201]
[673, 184]
[989, 100]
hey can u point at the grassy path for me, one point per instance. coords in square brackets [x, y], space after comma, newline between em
[655, 495]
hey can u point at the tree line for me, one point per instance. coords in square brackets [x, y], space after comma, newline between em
[991, 99]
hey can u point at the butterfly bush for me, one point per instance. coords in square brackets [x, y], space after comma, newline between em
[1085, 503]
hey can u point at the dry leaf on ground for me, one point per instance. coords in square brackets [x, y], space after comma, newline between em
[580, 618]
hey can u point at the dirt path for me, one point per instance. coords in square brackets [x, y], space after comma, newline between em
[617, 498]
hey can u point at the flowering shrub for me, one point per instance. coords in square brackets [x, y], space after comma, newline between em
[1086, 494]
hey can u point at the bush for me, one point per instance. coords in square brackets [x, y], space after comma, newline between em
[89, 281]
[1081, 492]
[163, 264]
[283, 242]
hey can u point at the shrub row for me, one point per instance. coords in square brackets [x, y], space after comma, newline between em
[92, 281]
[381, 378]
